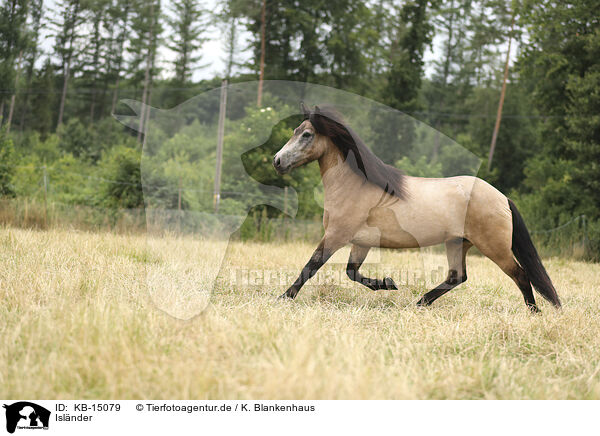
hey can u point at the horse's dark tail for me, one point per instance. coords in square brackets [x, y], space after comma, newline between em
[529, 259]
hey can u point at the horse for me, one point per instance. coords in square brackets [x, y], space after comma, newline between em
[371, 204]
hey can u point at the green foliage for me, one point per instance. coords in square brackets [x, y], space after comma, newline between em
[13, 40]
[188, 26]
[120, 169]
[421, 168]
[74, 138]
[560, 68]
[548, 150]
[7, 162]
[90, 141]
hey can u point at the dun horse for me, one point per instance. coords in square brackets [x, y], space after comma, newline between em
[371, 204]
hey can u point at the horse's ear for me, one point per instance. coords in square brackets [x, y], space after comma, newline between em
[305, 110]
[317, 110]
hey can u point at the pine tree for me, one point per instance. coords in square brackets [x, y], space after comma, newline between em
[146, 28]
[352, 44]
[94, 52]
[118, 25]
[412, 33]
[13, 42]
[560, 66]
[67, 36]
[187, 27]
[230, 20]
[31, 54]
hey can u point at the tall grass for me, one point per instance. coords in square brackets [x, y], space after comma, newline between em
[577, 240]
[78, 321]
[34, 214]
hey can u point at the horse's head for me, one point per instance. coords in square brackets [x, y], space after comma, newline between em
[306, 145]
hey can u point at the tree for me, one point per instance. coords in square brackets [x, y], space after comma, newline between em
[13, 41]
[146, 28]
[71, 17]
[351, 44]
[31, 54]
[94, 63]
[7, 161]
[121, 166]
[231, 45]
[293, 49]
[186, 38]
[560, 67]
[118, 25]
[44, 104]
[411, 33]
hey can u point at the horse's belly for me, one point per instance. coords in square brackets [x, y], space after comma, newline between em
[374, 237]
[384, 229]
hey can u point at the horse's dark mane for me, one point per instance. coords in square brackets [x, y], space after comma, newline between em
[328, 122]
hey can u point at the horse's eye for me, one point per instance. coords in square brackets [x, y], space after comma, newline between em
[306, 135]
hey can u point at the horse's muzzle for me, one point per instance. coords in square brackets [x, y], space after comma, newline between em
[278, 167]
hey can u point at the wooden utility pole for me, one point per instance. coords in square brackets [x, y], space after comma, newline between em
[502, 94]
[45, 198]
[67, 64]
[14, 96]
[263, 19]
[179, 202]
[63, 96]
[220, 132]
[179, 193]
[147, 75]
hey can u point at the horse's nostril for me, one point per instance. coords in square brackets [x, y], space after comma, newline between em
[277, 162]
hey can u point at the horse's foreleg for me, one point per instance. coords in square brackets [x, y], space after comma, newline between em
[324, 250]
[357, 257]
[456, 251]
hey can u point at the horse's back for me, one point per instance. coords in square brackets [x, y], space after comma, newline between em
[438, 210]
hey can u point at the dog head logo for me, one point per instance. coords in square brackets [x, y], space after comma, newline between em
[26, 415]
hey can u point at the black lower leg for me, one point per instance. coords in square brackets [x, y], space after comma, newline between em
[522, 280]
[375, 284]
[451, 282]
[317, 260]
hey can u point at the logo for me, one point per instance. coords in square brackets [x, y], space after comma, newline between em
[26, 415]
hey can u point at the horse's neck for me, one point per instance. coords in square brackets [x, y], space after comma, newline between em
[337, 176]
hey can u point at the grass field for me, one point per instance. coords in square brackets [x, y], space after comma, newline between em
[77, 321]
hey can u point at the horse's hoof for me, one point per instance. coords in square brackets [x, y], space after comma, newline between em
[389, 284]
[534, 310]
[423, 303]
[285, 296]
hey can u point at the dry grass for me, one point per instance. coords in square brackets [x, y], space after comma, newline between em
[78, 322]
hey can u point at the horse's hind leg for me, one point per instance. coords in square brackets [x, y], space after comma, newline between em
[456, 251]
[520, 277]
[357, 257]
[505, 260]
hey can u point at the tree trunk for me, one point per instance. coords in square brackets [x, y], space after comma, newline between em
[450, 29]
[67, 66]
[263, 44]
[96, 62]
[36, 25]
[149, 62]
[63, 96]
[231, 51]
[501, 103]
[115, 93]
[120, 59]
[14, 95]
